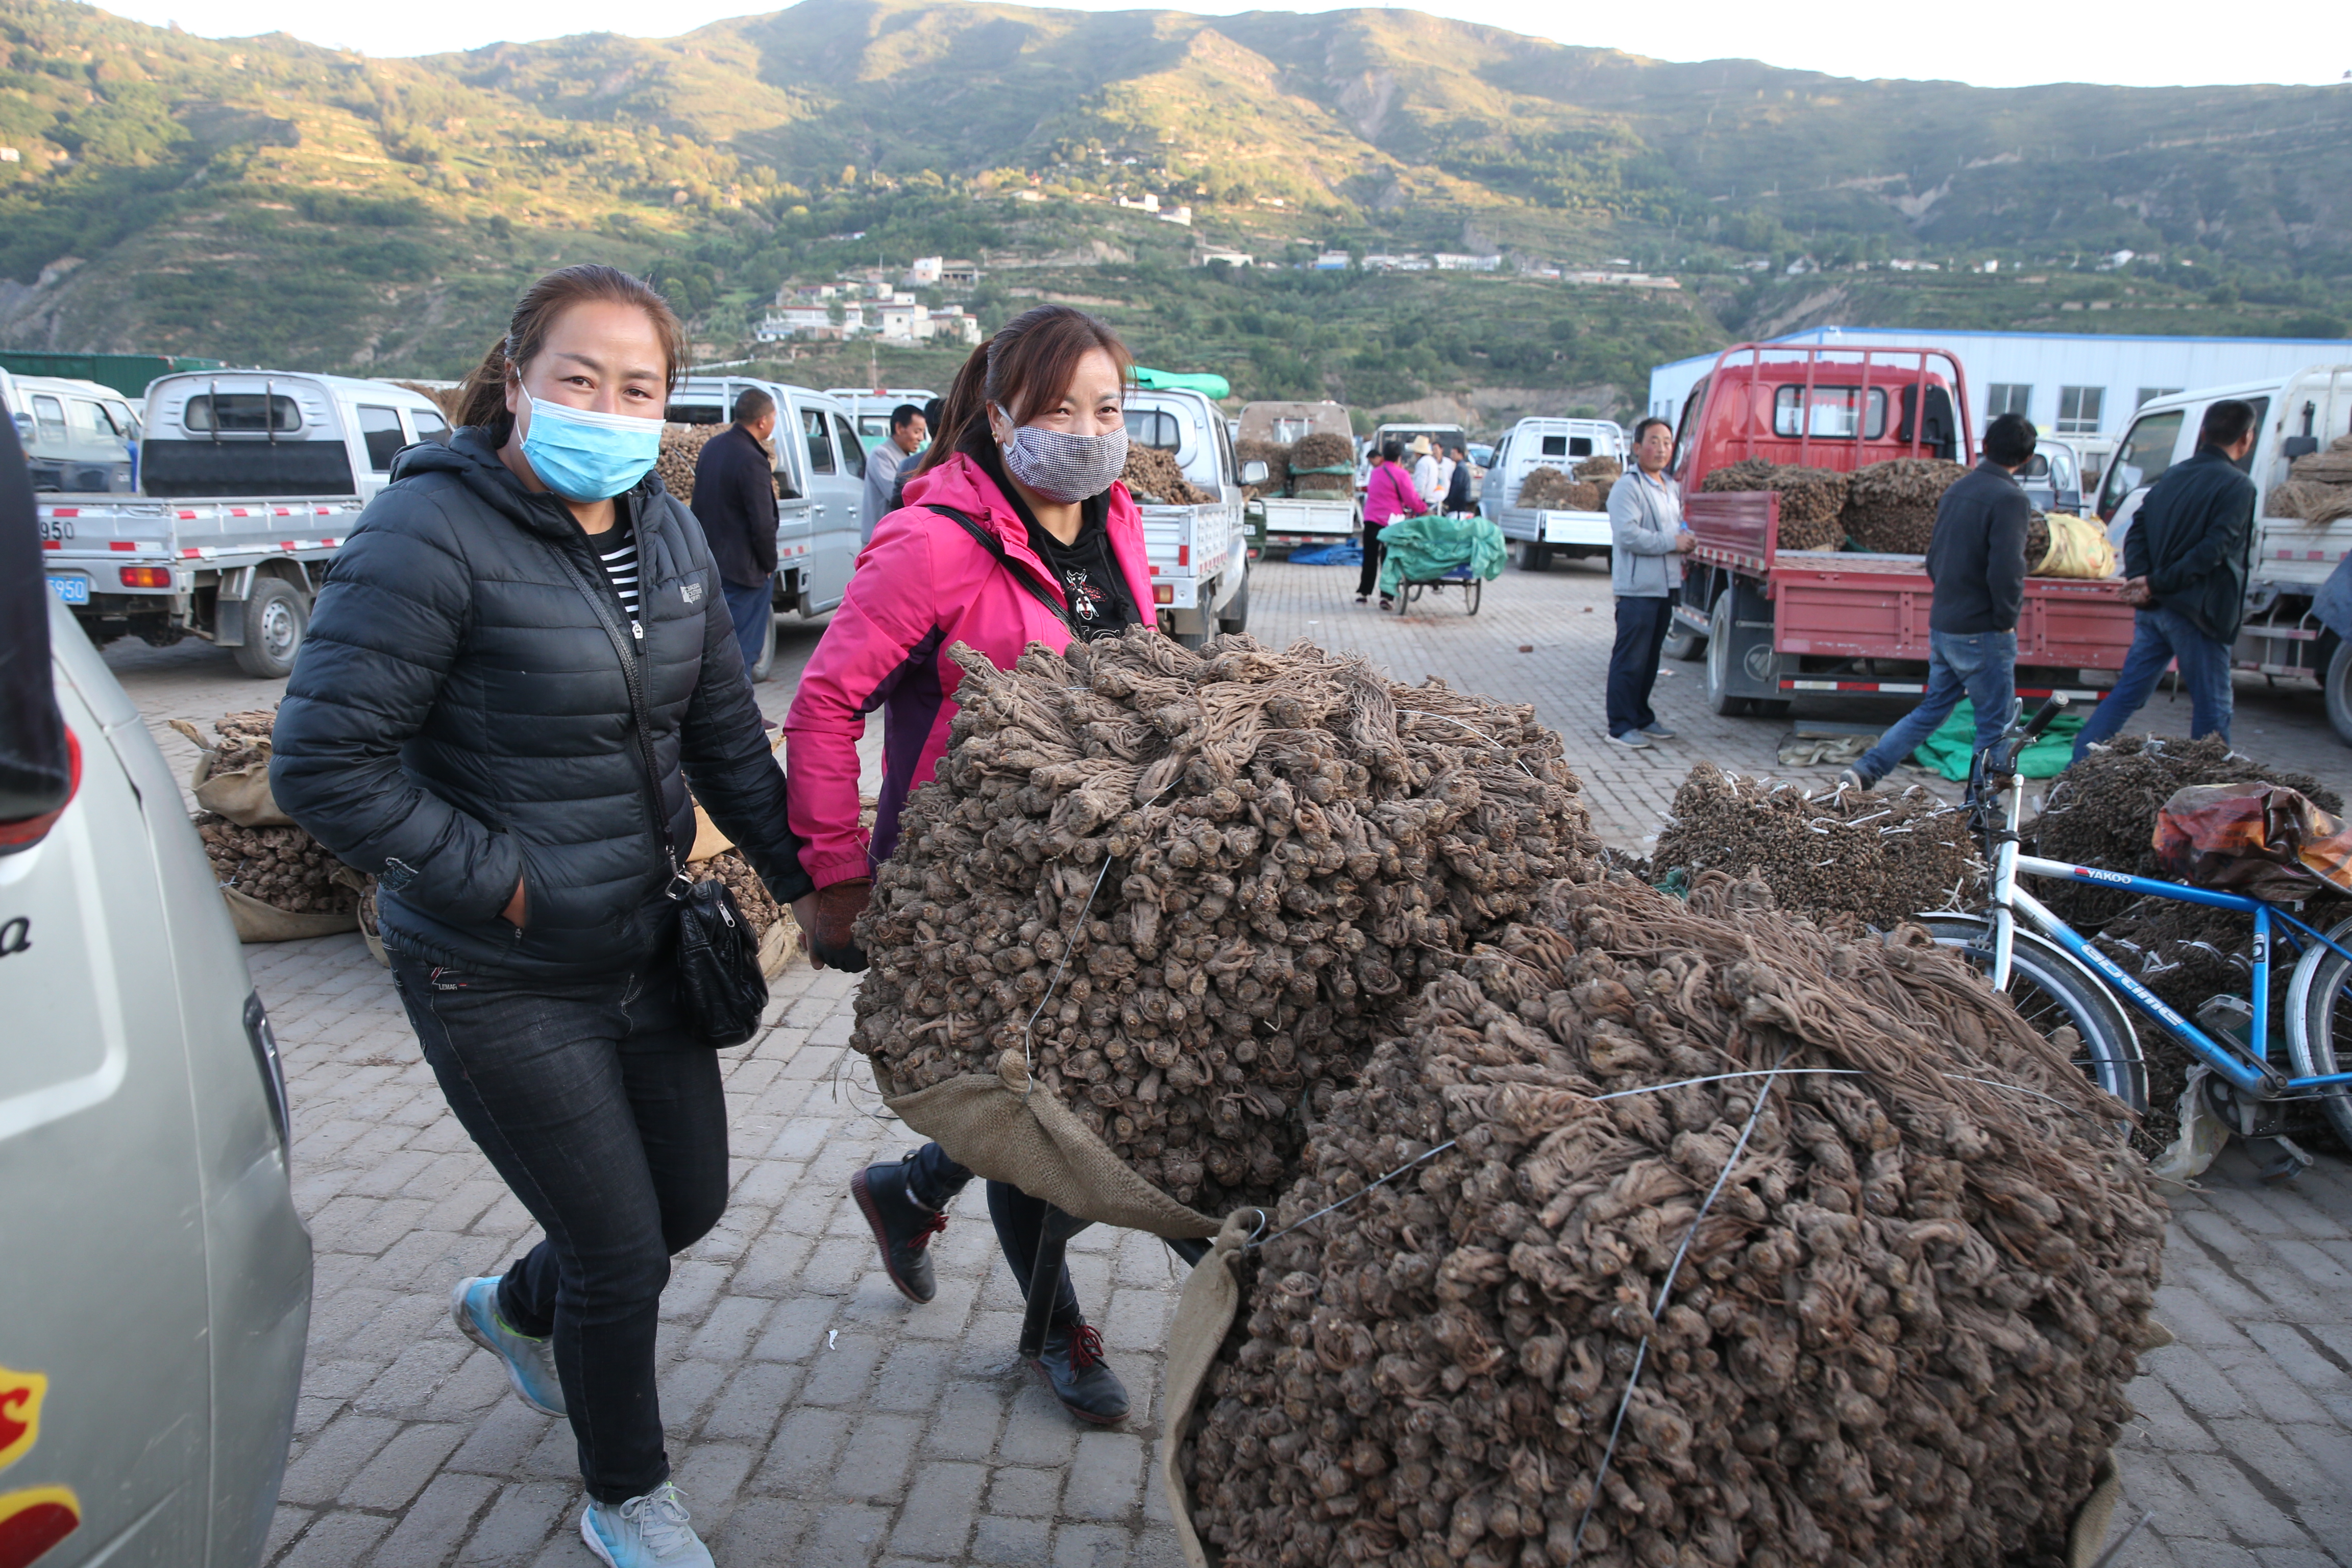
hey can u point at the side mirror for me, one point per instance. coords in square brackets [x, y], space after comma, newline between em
[1254, 472]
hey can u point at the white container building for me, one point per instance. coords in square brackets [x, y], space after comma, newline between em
[2068, 383]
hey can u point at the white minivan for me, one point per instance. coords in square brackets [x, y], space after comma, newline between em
[80, 437]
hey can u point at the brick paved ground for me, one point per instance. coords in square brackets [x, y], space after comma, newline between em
[816, 1419]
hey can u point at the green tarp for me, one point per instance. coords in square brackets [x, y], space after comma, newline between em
[1433, 544]
[1953, 745]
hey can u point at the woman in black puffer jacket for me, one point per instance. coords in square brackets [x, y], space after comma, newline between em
[459, 724]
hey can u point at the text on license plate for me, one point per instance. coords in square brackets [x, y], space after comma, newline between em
[71, 590]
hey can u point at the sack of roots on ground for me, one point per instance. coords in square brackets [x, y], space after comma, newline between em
[231, 773]
[1182, 893]
[1882, 855]
[1678, 1234]
[1811, 499]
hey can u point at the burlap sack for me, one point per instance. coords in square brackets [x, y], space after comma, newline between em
[707, 840]
[2078, 548]
[241, 794]
[997, 1128]
[1204, 1314]
[258, 922]
[780, 945]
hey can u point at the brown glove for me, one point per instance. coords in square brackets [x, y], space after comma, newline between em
[834, 944]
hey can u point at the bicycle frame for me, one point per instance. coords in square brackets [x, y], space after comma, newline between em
[2247, 1067]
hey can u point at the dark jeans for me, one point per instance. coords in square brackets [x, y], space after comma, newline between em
[934, 1180]
[748, 607]
[1370, 577]
[612, 1129]
[1642, 627]
[1979, 666]
[2160, 637]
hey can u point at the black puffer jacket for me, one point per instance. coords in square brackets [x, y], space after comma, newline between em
[458, 717]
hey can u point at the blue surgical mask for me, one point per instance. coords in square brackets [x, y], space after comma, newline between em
[585, 456]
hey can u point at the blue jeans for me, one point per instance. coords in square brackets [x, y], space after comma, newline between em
[2160, 637]
[1979, 666]
[609, 1123]
[746, 606]
[934, 1180]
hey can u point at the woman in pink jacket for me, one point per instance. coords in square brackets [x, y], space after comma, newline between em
[1016, 531]
[1389, 494]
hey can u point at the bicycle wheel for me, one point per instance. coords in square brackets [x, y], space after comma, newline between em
[2319, 1014]
[2050, 987]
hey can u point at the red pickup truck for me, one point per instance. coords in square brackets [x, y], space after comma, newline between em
[1775, 623]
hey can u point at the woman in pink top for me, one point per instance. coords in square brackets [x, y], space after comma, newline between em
[1016, 531]
[1389, 494]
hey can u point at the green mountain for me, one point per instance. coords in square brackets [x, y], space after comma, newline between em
[267, 200]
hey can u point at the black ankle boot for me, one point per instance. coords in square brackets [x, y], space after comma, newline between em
[903, 1227]
[1073, 1366]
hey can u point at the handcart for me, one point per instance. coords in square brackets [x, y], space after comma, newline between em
[1473, 588]
[1427, 553]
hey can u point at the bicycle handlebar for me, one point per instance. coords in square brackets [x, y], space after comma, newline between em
[2042, 715]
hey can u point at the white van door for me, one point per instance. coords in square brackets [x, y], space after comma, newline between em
[836, 496]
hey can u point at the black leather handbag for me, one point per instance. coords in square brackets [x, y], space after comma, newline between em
[720, 988]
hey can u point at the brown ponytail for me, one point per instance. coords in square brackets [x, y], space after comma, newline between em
[483, 399]
[1030, 362]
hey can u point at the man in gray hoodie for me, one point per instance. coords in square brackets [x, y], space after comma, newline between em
[1645, 570]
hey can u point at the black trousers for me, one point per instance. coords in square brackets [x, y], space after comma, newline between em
[1642, 626]
[1019, 1220]
[1368, 578]
[611, 1127]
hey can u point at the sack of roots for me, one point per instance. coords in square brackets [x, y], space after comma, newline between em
[2078, 548]
[1811, 499]
[1890, 507]
[1154, 478]
[1669, 1234]
[1323, 450]
[258, 922]
[1187, 891]
[681, 448]
[2258, 841]
[232, 776]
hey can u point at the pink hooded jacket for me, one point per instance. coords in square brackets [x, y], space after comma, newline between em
[920, 587]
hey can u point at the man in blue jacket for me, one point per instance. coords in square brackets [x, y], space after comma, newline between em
[2186, 560]
[1976, 558]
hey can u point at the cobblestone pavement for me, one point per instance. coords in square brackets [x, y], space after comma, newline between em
[816, 1419]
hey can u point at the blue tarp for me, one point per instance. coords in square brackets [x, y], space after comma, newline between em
[1350, 553]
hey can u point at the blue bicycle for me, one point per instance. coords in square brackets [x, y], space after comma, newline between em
[2057, 978]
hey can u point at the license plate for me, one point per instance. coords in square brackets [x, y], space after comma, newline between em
[71, 590]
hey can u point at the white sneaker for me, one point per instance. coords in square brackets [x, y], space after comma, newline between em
[648, 1531]
[1631, 740]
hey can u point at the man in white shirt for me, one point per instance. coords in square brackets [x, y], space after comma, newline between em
[1426, 478]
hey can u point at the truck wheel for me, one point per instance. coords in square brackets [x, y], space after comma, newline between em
[1683, 644]
[1191, 639]
[1234, 616]
[1719, 699]
[276, 617]
[2338, 686]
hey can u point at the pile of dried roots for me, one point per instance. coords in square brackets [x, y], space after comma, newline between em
[243, 739]
[1276, 459]
[1882, 855]
[1551, 489]
[751, 896]
[284, 867]
[2102, 811]
[1323, 450]
[1194, 887]
[681, 448]
[1154, 478]
[1890, 507]
[1874, 1301]
[1811, 499]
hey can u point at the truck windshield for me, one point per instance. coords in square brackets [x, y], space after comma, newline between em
[1835, 413]
[2145, 454]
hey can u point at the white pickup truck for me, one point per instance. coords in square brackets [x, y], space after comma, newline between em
[1300, 520]
[248, 479]
[1199, 554]
[2292, 558]
[820, 488]
[1536, 534]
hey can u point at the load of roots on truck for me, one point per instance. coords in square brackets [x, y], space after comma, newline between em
[1770, 600]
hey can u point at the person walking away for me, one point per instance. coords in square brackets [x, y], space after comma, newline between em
[908, 431]
[735, 501]
[1427, 481]
[463, 724]
[1647, 540]
[1389, 494]
[1016, 531]
[1459, 501]
[2186, 560]
[1976, 558]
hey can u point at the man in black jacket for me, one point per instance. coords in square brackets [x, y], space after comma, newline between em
[735, 501]
[2186, 560]
[1977, 560]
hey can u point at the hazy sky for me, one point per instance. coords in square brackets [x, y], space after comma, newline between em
[2074, 43]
